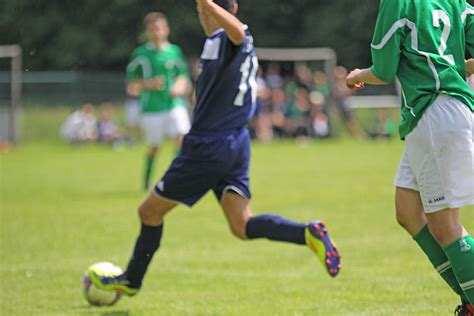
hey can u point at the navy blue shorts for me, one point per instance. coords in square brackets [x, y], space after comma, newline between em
[213, 161]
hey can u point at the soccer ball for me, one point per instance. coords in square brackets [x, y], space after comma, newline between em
[94, 295]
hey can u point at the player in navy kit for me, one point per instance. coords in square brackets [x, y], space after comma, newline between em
[216, 154]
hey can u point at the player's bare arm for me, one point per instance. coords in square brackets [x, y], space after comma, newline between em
[470, 67]
[231, 25]
[181, 87]
[358, 77]
[135, 87]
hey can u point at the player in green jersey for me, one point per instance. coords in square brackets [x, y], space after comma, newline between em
[423, 42]
[468, 20]
[158, 74]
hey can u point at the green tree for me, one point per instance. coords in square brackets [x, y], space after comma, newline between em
[100, 34]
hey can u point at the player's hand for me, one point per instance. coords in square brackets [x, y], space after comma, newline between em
[133, 88]
[156, 83]
[469, 67]
[352, 81]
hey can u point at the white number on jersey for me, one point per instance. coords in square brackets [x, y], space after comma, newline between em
[249, 76]
[439, 15]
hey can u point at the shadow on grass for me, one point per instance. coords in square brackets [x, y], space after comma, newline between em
[116, 313]
[91, 310]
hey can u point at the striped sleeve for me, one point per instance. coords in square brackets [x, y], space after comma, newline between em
[386, 41]
[136, 67]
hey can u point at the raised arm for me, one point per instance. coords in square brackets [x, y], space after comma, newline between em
[226, 20]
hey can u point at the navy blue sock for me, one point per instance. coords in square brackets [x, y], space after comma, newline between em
[147, 244]
[275, 227]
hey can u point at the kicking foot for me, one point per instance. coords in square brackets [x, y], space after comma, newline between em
[318, 240]
[118, 284]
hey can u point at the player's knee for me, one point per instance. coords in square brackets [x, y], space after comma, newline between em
[147, 215]
[402, 219]
[238, 230]
[446, 232]
[142, 212]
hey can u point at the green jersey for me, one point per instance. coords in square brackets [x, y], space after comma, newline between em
[423, 43]
[467, 18]
[148, 62]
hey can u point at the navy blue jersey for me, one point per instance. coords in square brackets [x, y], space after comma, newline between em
[226, 89]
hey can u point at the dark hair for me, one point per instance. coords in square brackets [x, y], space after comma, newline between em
[153, 17]
[226, 4]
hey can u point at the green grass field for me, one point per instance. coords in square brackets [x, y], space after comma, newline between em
[65, 208]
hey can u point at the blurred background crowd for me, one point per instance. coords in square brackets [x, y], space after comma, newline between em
[293, 101]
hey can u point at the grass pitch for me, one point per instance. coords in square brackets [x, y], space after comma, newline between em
[65, 208]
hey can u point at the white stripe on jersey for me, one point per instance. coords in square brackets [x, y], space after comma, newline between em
[414, 44]
[145, 63]
[147, 74]
[466, 13]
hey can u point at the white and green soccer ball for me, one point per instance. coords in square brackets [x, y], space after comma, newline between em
[94, 295]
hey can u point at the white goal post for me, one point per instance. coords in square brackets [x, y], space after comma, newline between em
[10, 106]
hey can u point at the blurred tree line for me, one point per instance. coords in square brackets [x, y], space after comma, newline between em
[100, 34]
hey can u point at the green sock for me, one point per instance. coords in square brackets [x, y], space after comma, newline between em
[438, 259]
[148, 170]
[461, 256]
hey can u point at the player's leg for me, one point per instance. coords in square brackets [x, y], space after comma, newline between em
[409, 210]
[245, 225]
[151, 213]
[232, 191]
[149, 162]
[441, 154]
[179, 125]
[411, 216]
[458, 246]
[153, 126]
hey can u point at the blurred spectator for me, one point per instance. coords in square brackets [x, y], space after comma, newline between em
[383, 126]
[80, 126]
[292, 102]
[262, 122]
[109, 131]
[278, 103]
[320, 83]
[304, 76]
[273, 78]
[340, 93]
[319, 120]
[297, 113]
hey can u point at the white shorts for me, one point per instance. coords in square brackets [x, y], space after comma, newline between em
[172, 123]
[439, 157]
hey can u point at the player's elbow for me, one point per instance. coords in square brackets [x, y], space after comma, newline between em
[133, 89]
[237, 37]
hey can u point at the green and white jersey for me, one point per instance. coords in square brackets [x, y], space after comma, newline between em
[423, 43]
[148, 62]
[467, 18]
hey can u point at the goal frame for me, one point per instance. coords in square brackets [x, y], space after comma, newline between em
[14, 52]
